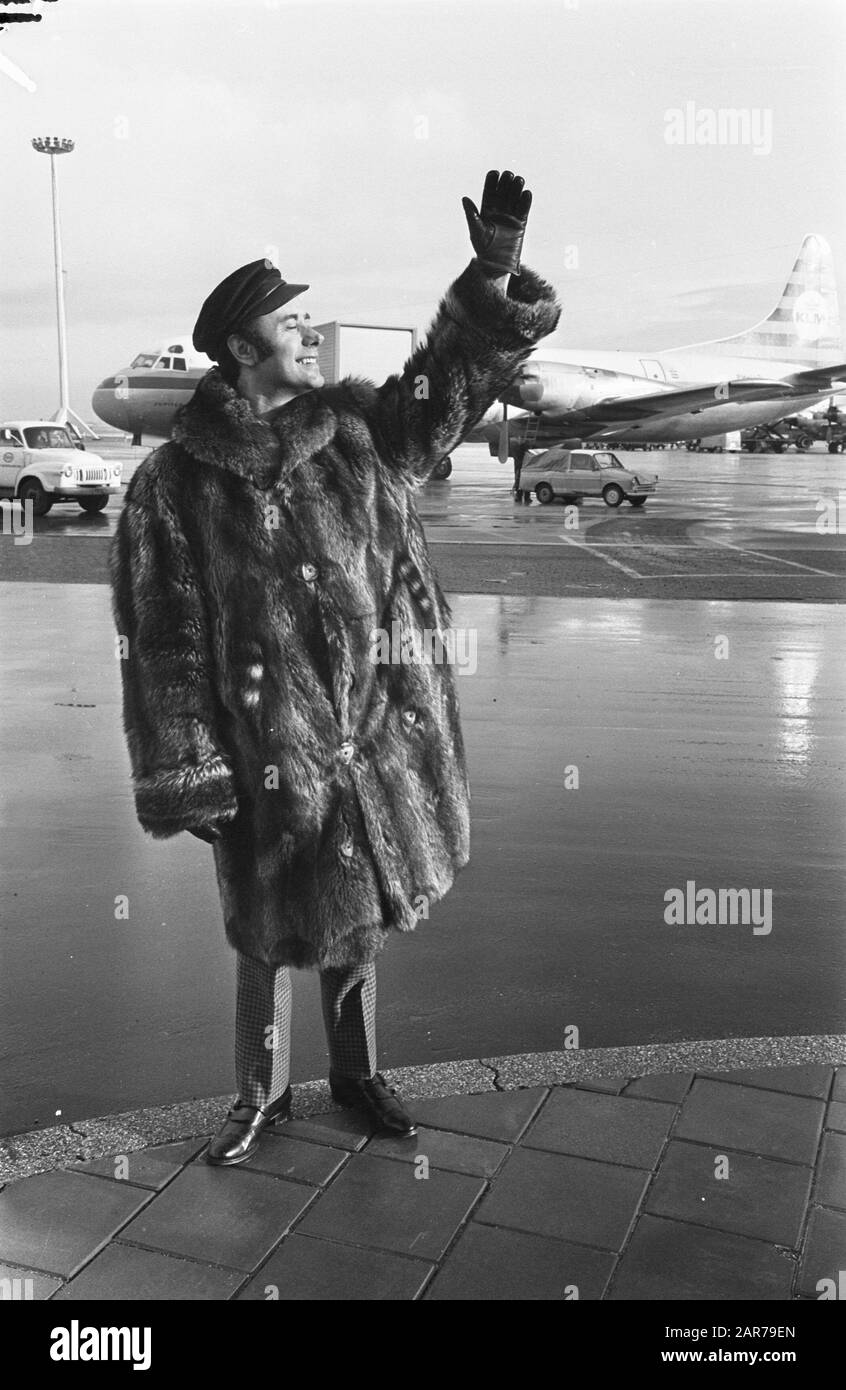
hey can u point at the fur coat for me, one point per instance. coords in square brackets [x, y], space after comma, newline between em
[253, 562]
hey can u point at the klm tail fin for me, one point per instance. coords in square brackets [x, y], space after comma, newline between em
[804, 327]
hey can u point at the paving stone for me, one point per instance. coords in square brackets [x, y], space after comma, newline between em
[376, 1201]
[294, 1159]
[460, 1153]
[499, 1115]
[611, 1084]
[830, 1190]
[836, 1115]
[838, 1091]
[609, 1128]
[799, 1081]
[572, 1198]
[142, 1168]
[824, 1256]
[761, 1197]
[488, 1264]
[122, 1272]
[741, 1117]
[670, 1086]
[181, 1152]
[225, 1216]
[306, 1269]
[674, 1261]
[343, 1129]
[56, 1221]
[577, 1064]
[42, 1151]
[25, 1284]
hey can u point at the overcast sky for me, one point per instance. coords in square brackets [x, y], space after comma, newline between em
[339, 138]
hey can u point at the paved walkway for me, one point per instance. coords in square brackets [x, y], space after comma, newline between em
[685, 1185]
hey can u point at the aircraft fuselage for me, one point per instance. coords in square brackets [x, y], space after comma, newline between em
[556, 384]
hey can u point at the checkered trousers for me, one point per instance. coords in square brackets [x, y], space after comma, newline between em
[263, 1026]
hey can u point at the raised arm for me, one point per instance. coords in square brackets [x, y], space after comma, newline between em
[486, 325]
[182, 777]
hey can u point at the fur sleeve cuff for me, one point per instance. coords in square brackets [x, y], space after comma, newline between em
[530, 311]
[184, 798]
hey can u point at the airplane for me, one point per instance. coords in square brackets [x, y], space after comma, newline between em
[786, 363]
[143, 398]
[783, 365]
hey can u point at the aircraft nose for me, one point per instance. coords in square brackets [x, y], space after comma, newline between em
[109, 404]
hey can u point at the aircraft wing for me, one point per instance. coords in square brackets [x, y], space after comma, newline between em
[819, 378]
[666, 404]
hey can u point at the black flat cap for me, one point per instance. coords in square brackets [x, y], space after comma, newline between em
[248, 292]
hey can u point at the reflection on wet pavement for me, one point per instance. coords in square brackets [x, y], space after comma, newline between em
[726, 769]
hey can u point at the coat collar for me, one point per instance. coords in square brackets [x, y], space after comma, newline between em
[218, 426]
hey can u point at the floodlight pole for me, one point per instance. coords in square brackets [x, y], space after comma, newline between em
[55, 145]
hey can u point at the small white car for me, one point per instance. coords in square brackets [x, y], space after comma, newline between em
[575, 473]
[39, 462]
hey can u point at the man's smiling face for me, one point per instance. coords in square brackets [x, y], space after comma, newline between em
[292, 342]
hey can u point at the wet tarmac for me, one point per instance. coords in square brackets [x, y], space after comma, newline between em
[708, 738]
[720, 526]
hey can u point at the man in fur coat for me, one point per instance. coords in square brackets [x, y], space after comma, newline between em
[260, 553]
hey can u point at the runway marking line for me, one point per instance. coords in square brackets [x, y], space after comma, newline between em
[759, 555]
[714, 574]
[607, 559]
[598, 546]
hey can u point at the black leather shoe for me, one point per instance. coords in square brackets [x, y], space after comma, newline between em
[377, 1100]
[238, 1137]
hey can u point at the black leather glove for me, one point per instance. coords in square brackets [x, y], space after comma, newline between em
[209, 833]
[497, 230]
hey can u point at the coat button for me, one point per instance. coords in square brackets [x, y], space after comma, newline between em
[346, 751]
[347, 848]
[308, 572]
[409, 717]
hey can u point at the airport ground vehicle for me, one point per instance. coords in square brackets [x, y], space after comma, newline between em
[728, 443]
[774, 439]
[827, 425]
[575, 473]
[41, 463]
[802, 431]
